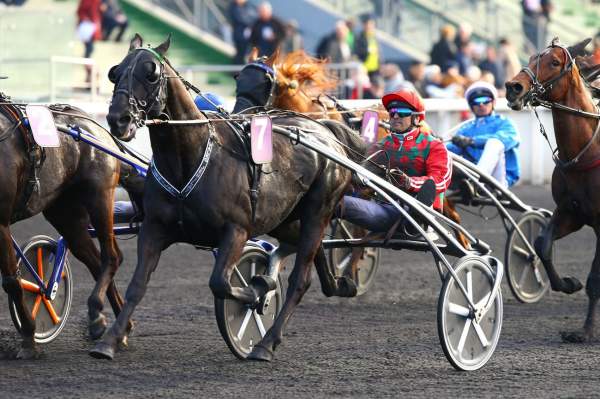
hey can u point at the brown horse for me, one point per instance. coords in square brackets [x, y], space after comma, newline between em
[301, 83]
[553, 79]
[76, 187]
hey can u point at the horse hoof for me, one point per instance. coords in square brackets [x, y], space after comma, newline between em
[260, 353]
[28, 353]
[575, 337]
[102, 350]
[571, 285]
[97, 327]
[346, 287]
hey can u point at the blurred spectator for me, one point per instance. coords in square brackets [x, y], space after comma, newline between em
[464, 57]
[293, 39]
[376, 90]
[488, 77]
[242, 16]
[536, 14]
[463, 37]
[433, 84]
[89, 28]
[473, 74]
[416, 76]
[490, 64]
[351, 24]
[358, 83]
[267, 32]
[113, 17]
[453, 78]
[508, 61]
[366, 46]
[444, 50]
[394, 79]
[335, 45]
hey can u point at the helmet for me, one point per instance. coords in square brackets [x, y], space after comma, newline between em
[407, 97]
[208, 102]
[481, 89]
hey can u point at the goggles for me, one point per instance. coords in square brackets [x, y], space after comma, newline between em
[400, 112]
[481, 101]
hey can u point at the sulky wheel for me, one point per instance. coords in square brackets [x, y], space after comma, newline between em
[525, 273]
[360, 264]
[50, 315]
[240, 325]
[469, 338]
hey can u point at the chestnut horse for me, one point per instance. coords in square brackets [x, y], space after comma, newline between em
[213, 206]
[76, 185]
[553, 79]
[300, 83]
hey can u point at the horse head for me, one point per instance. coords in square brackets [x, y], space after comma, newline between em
[140, 89]
[256, 84]
[542, 78]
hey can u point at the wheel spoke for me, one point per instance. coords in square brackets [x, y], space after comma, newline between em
[482, 338]
[29, 286]
[521, 251]
[463, 337]
[458, 309]
[470, 284]
[40, 264]
[50, 309]
[253, 268]
[36, 306]
[344, 262]
[259, 324]
[237, 273]
[244, 325]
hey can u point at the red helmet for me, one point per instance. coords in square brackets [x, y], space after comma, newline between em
[408, 97]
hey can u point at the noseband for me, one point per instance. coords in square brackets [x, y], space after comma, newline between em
[138, 107]
[538, 89]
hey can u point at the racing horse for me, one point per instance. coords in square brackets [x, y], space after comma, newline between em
[199, 188]
[553, 79]
[72, 185]
[298, 82]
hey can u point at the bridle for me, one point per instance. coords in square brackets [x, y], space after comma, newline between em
[535, 97]
[139, 108]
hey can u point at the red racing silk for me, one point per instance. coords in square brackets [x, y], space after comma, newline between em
[422, 157]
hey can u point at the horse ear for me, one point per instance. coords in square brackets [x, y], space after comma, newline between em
[588, 70]
[579, 48]
[136, 42]
[164, 46]
[253, 54]
[274, 57]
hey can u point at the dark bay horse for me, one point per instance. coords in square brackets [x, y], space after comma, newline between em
[299, 83]
[553, 79]
[76, 188]
[215, 208]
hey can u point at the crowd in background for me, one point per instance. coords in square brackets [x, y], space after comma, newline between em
[456, 60]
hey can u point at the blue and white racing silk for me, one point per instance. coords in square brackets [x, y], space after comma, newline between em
[492, 126]
[208, 102]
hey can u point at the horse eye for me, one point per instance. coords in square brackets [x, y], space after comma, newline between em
[154, 75]
[112, 74]
[555, 63]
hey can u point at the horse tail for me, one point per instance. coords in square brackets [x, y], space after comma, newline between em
[356, 148]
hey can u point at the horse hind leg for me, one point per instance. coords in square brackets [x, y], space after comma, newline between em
[561, 224]
[592, 289]
[449, 210]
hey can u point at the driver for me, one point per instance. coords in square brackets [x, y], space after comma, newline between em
[419, 163]
[490, 140]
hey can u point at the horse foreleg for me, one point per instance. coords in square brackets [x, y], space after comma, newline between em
[592, 289]
[330, 284]
[298, 283]
[151, 242]
[230, 249]
[12, 286]
[561, 224]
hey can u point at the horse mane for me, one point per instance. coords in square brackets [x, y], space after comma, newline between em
[298, 70]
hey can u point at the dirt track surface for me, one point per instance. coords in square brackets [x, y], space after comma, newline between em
[381, 344]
